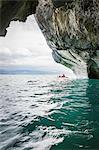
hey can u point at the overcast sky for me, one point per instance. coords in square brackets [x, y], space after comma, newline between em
[25, 45]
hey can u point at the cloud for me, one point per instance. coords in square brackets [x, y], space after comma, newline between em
[25, 35]
[25, 45]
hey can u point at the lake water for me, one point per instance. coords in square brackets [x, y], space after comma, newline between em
[48, 113]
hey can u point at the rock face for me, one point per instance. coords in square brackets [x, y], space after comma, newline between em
[15, 10]
[71, 29]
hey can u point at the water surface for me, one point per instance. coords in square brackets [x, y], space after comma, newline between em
[48, 113]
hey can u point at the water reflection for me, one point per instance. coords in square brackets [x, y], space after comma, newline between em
[81, 116]
[45, 113]
[92, 93]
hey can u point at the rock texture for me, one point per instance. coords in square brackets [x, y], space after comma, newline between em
[71, 29]
[15, 10]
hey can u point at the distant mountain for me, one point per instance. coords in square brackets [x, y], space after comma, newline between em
[34, 70]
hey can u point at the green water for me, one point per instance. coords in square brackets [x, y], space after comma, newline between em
[45, 112]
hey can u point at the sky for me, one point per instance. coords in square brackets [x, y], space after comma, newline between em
[24, 45]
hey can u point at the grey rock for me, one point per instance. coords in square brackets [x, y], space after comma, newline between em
[71, 29]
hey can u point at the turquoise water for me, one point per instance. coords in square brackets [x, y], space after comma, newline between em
[48, 113]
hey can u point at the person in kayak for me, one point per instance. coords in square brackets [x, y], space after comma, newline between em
[62, 76]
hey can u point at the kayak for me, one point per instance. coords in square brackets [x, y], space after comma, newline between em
[62, 77]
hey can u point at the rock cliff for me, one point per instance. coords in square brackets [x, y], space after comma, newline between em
[71, 29]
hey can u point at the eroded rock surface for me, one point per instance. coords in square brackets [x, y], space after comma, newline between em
[15, 10]
[71, 29]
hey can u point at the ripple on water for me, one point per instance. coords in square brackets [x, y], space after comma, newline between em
[44, 113]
